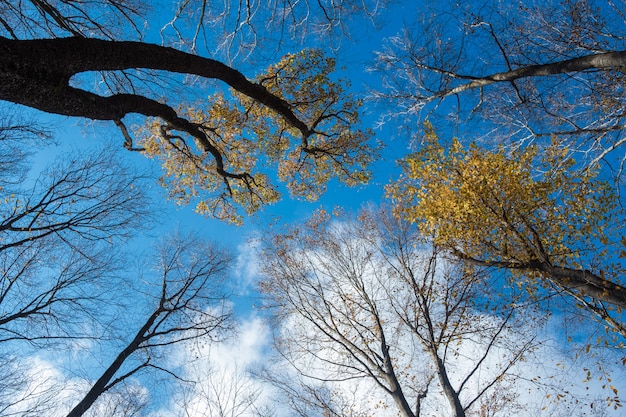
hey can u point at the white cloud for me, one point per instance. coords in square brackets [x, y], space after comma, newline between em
[223, 386]
[533, 384]
[29, 386]
[247, 267]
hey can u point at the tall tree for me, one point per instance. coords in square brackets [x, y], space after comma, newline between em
[61, 234]
[528, 213]
[187, 304]
[57, 237]
[368, 302]
[543, 80]
[292, 115]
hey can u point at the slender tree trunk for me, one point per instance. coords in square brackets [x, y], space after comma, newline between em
[394, 385]
[101, 385]
[451, 395]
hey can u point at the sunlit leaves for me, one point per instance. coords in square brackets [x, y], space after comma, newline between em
[333, 148]
[517, 207]
[225, 166]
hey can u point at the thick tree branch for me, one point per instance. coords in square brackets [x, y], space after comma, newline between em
[585, 282]
[37, 73]
[615, 59]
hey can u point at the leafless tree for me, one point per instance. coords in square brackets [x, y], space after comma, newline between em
[227, 26]
[57, 242]
[368, 300]
[218, 391]
[521, 71]
[243, 26]
[61, 234]
[21, 396]
[187, 303]
[20, 136]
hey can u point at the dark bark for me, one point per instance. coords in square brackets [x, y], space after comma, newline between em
[587, 283]
[580, 283]
[195, 269]
[37, 73]
[395, 388]
[583, 281]
[451, 395]
[102, 384]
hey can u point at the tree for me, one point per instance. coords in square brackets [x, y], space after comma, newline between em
[61, 231]
[249, 138]
[544, 81]
[195, 24]
[23, 396]
[57, 237]
[187, 304]
[369, 302]
[221, 393]
[236, 29]
[528, 213]
[293, 115]
[518, 72]
[62, 235]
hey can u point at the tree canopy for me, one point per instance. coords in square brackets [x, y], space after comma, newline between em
[492, 284]
[516, 73]
[294, 117]
[368, 299]
[520, 211]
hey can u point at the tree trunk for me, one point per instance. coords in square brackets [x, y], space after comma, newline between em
[101, 385]
[451, 395]
[584, 282]
[394, 385]
[588, 284]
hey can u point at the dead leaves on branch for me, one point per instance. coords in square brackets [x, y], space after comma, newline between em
[502, 206]
[244, 149]
[531, 211]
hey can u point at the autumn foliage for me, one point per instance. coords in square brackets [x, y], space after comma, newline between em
[251, 137]
[527, 210]
[504, 206]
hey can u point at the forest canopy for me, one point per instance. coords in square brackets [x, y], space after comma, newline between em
[430, 198]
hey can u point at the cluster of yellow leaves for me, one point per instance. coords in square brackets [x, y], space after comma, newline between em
[334, 148]
[259, 147]
[514, 207]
